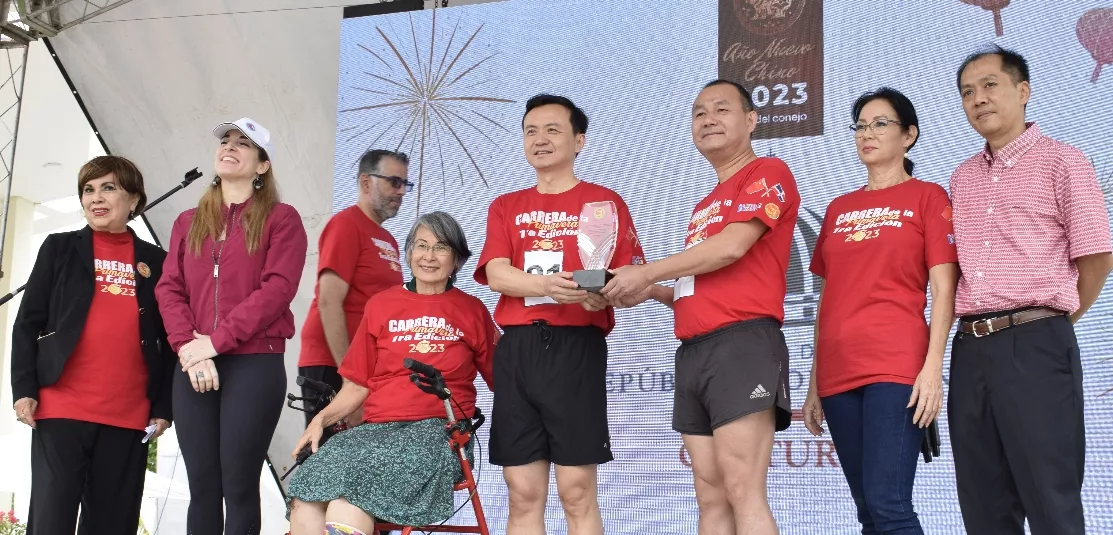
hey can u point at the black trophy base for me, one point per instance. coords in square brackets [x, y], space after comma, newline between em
[592, 280]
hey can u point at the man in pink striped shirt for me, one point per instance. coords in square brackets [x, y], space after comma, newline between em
[1034, 249]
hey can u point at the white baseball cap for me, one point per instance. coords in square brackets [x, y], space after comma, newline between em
[250, 128]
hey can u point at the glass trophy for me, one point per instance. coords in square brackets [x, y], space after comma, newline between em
[595, 239]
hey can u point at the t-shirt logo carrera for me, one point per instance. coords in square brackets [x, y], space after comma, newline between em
[388, 252]
[547, 225]
[707, 216]
[544, 246]
[427, 333]
[859, 225]
[697, 226]
[116, 278]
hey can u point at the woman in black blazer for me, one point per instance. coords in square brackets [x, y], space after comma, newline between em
[91, 368]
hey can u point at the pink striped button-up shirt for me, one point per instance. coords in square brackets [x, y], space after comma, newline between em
[1021, 217]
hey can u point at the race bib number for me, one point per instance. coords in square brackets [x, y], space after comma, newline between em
[684, 287]
[543, 263]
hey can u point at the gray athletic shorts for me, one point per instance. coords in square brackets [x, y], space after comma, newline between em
[730, 372]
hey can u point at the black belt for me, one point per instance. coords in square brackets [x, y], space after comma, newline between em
[988, 326]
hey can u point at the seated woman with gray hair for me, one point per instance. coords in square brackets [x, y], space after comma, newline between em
[397, 466]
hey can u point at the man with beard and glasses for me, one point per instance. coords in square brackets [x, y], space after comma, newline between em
[357, 259]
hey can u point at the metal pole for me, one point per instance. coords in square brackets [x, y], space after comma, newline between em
[15, 137]
[88, 15]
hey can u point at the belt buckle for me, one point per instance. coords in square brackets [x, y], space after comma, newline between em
[988, 326]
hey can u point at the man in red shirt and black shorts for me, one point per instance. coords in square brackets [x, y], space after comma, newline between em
[728, 301]
[1034, 249]
[357, 258]
[551, 362]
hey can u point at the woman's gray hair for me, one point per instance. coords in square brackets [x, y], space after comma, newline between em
[447, 231]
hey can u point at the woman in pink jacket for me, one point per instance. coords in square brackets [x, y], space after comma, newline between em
[231, 272]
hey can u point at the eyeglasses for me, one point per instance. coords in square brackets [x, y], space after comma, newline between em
[878, 127]
[396, 181]
[439, 249]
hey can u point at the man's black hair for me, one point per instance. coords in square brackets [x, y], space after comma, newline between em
[369, 162]
[1011, 62]
[747, 100]
[578, 117]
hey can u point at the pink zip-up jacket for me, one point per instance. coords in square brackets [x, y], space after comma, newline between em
[241, 301]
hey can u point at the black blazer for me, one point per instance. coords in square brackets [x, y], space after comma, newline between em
[54, 308]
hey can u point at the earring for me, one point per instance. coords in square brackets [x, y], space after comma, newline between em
[258, 182]
[131, 214]
[216, 181]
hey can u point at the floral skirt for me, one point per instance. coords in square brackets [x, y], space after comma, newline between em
[400, 472]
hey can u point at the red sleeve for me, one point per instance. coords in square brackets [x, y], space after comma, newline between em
[764, 195]
[819, 266]
[171, 293]
[281, 275]
[628, 248]
[1081, 205]
[939, 231]
[497, 244]
[359, 360]
[485, 348]
[338, 248]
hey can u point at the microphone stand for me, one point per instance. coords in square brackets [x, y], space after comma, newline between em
[190, 176]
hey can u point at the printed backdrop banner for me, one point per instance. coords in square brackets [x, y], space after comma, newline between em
[775, 49]
[449, 88]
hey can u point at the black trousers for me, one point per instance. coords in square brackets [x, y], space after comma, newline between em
[98, 466]
[326, 374]
[224, 435]
[1017, 430]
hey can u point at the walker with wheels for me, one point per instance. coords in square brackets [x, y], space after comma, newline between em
[459, 432]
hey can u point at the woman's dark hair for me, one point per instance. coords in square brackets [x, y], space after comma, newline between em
[906, 114]
[126, 173]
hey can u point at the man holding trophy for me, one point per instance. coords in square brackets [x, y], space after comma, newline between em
[728, 304]
[548, 250]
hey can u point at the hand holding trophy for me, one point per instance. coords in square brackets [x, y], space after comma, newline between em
[595, 239]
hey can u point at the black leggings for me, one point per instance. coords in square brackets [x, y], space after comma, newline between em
[224, 435]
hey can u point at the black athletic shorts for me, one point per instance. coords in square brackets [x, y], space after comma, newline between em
[728, 373]
[326, 374]
[550, 399]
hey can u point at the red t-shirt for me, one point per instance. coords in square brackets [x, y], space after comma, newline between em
[874, 252]
[753, 286]
[366, 257]
[538, 233]
[451, 331]
[105, 378]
